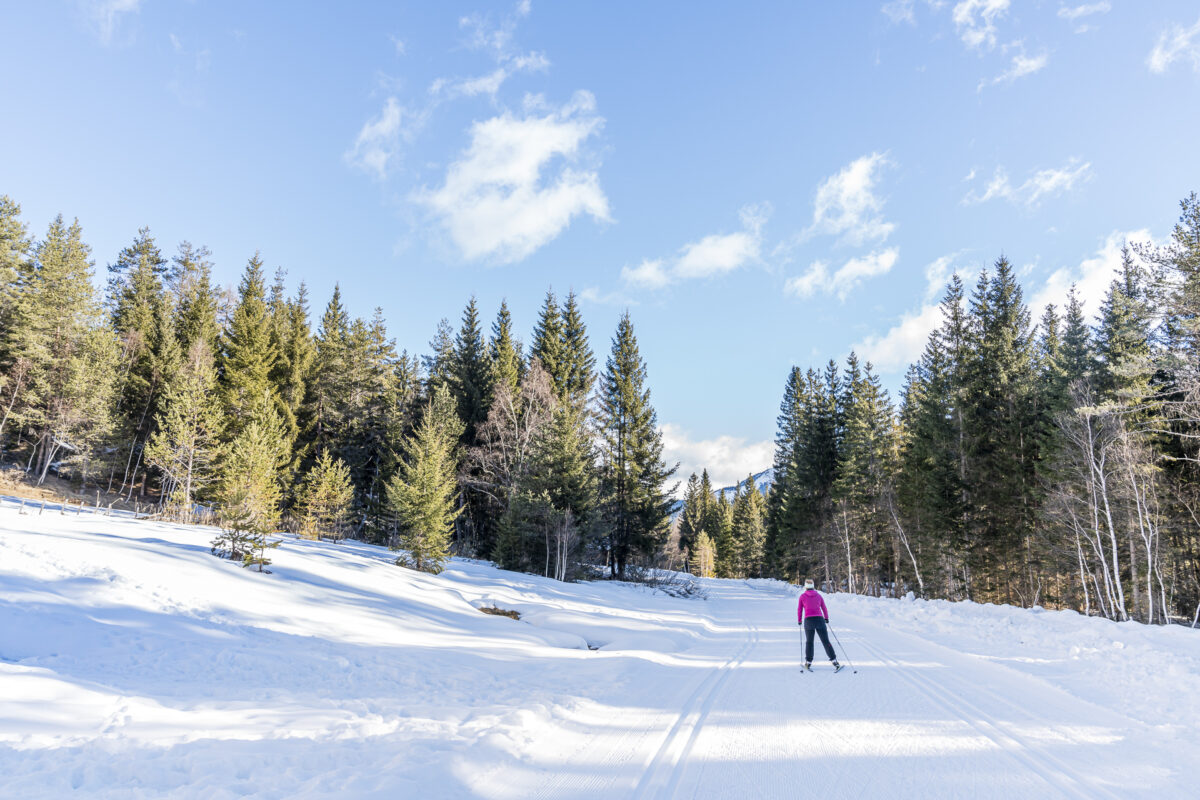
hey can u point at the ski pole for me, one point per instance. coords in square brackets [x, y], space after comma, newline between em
[843, 649]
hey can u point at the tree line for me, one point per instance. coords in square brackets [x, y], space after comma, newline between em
[1052, 463]
[166, 387]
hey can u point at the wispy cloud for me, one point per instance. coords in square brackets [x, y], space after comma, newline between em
[377, 149]
[497, 39]
[1176, 43]
[1041, 185]
[819, 280]
[1022, 65]
[1077, 15]
[497, 201]
[900, 11]
[715, 254]
[975, 21]
[847, 205]
[728, 459]
[106, 15]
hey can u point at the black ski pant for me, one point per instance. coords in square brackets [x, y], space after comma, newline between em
[816, 625]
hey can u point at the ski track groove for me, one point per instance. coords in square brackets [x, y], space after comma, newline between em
[663, 773]
[1048, 768]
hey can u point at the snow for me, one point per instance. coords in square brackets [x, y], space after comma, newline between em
[133, 664]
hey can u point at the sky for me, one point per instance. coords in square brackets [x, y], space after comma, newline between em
[761, 185]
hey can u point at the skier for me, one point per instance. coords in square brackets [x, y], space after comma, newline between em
[812, 614]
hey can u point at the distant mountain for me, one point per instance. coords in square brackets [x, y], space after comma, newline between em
[763, 480]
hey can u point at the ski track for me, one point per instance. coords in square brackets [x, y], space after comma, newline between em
[663, 773]
[1059, 776]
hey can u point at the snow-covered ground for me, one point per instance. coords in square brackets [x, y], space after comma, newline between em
[134, 664]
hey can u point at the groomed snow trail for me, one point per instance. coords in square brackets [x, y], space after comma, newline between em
[133, 664]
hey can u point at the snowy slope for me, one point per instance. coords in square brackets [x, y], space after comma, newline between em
[134, 664]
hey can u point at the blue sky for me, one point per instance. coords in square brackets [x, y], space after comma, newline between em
[761, 186]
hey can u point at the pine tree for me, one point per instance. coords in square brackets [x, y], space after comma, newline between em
[505, 353]
[725, 563]
[439, 367]
[423, 494]
[195, 299]
[62, 355]
[578, 362]
[249, 491]
[1123, 337]
[183, 446]
[324, 499]
[142, 321]
[547, 345]
[14, 260]
[704, 557]
[472, 374]
[998, 399]
[1078, 356]
[248, 356]
[749, 530]
[634, 474]
[692, 516]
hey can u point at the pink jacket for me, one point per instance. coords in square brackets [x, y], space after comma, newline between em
[811, 605]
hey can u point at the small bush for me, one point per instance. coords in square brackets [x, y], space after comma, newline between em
[496, 611]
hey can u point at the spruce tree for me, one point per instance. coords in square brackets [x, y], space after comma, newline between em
[439, 366]
[14, 259]
[195, 299]
[142, 320]
[249, 491]
[248, 356]
[692, 516]
[423, 494]
[183, 446]
[634, 473]
[547, 345]
[578, 363]
[472, 373]
[505, 353]
[1123, 337]
[749, 530]
[63, 357]
[703, 560]
[324, 499]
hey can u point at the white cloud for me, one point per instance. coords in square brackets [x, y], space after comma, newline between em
[496, 202]
[1176, 43]
[900, 11]
[976, 21]
[715, 254]
[650, 274]
[592, 294]
[1038, 187]
[903, 343]
[1074, 14]
[106, 15]
[728, 459]
[1091, 277]
[846, 204]
[1022, 65]
[399, 44]
[846, 279]
[938, 274]
[377, 148]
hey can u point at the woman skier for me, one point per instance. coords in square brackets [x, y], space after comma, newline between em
[813, 615]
